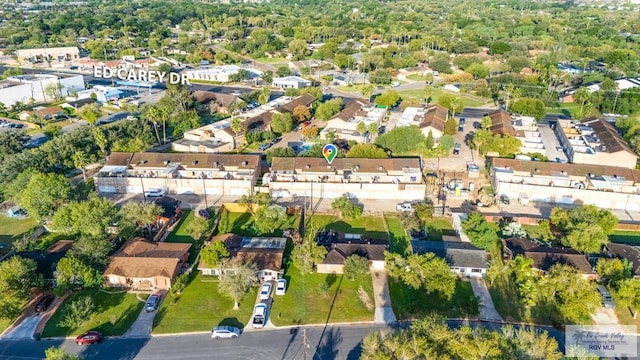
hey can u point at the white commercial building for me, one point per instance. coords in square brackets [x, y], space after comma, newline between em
[102, 93]
[23, 88]
[222, 73]
[291, 82]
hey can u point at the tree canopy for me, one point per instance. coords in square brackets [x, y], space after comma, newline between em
[585, 228]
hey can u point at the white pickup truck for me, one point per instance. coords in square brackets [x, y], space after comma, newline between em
[404, 207]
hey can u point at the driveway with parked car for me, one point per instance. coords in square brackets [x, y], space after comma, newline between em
[144, 323]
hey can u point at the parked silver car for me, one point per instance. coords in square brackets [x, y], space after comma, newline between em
[225, 332]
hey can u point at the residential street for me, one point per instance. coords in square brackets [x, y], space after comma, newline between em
[324, 343]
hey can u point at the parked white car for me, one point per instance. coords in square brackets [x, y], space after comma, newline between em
[404, 207]
[281, 286]
[265, 291]
[259, 316]
[156, 192]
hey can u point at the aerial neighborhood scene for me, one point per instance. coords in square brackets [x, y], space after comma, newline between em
[319, 179]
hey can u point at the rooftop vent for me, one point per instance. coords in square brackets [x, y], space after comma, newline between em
[166, 162]
[564, 172]
[245, 163]
[380, 167]
[194, 162]
[308, 166]
[216, 164]
[536, 170]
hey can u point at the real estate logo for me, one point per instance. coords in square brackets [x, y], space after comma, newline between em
[141, 75]
[608, 341]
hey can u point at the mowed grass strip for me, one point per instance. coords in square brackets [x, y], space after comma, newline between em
[114, 313]
[321, 298]
[200, 307]
[11, 229]
[369, 226]
[409, 303]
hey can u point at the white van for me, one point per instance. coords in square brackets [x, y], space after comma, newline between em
[156, 192]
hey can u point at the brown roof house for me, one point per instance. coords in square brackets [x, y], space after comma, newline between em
[265, 252]
[144, 265]
[214, 102]
[501, 123]
[629, 252]
[544, 257]
[340, 246]
[47, 113]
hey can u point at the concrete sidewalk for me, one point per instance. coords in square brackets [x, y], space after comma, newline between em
[383, 310]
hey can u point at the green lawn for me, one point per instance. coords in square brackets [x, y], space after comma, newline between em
[268, 60]
[12, 229]
[320, 299]
[625, 236]
[241, 224]
[351, 88]
[369, 226]
[416, 77]
[435, 94]
[181, 234]
[409, 303]
[200, 308]
[4, 323]
[398, 239]
[569, 109]
[121, 308]
[624, 314]
[439, 226]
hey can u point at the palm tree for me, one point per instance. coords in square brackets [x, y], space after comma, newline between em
[361, 128]
[236, 127]
[80, 161]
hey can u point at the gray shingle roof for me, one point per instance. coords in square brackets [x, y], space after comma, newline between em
[457, 254]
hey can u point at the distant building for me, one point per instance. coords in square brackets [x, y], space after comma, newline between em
[344, 124]
[291, 82]
[224, 73]
[45, 55]
[594, 141]
[428, 119]
[102, 94]
[526, 130]
[212, 138]
[47, 113]
[23, 88]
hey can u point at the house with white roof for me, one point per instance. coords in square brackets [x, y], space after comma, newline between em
[291, 82]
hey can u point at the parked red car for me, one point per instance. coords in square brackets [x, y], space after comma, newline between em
[90, 337]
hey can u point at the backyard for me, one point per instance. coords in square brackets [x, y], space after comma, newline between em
[113, 315]
[241, 223]
[181, 234]
[200, 307]
[435, 93]
[372, 227]
[409, 303]
[625, 236]
[12, 229]
[398, 239]
[321, 298]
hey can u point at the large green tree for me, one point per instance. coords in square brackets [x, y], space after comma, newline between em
[269, 218]
[236, 279]
[402, 139]
[90, 217]
[17, 277]
[214, 254]
[426, 271]
[370, 151]
[44, 194]
[482, 233]
[585, 228]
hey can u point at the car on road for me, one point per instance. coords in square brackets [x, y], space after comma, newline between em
[259, 316]
[460, 128]
[44, 303]
[131, 117]
[404, 207]
[264, 146]
[152, 303]
[607, 300]
[225, 332]
[456, 149]
[505, 199]
[281, 286]
[265, 291]
[90, 337]
[156, 192]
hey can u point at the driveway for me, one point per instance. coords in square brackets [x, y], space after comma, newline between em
[383, 311]
[25, 329]
[605, 317]
[487, 309]
[143, 325]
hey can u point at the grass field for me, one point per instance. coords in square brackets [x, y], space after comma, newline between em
[200, 308]
[398, 239]
[12, 229]
[369, 226]
[409, 303]
[320, 299]
[437, 227]
[625, 236]
[268, 60]
[435, 93]
[569, 109]
[241, 224]
[351, 88]
[113, 315]
[181, 234]
[416, 77]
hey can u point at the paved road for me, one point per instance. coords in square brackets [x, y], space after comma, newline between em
[25, 329]
[332, 342]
